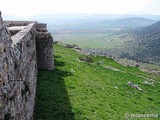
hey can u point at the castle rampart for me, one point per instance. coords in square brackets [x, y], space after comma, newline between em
[24, 46]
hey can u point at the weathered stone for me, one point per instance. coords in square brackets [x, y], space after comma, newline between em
[1, 67]
[15, 29]
[18, 67]
[1, 21]
[41, 25]
[44, 43]
[134, 86]
[17, 23]
[1, 47]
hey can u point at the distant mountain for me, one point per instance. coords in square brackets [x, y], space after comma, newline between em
[150, 30]
[92, 23]
[131, 22]
[97, 17]
[145, 46]
[58, 23]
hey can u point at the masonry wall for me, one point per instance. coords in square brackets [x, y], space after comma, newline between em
[44, 46]
[18, 75]
[25, 46]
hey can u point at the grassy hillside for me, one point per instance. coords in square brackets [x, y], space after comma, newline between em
[77, 90]
[145, 45]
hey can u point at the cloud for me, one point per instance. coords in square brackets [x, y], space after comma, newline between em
[34, 7]
[152, 8]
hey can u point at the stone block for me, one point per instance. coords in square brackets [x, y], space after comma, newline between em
[41, 25]
[1, 21]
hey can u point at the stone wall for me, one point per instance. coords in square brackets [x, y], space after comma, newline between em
[18, 69]
[44, 48]
[17, 23]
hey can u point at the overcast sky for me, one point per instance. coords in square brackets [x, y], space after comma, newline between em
[28, 8]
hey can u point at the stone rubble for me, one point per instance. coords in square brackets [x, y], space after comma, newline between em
[134, 86]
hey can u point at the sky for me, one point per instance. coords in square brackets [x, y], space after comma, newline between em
[29, 8]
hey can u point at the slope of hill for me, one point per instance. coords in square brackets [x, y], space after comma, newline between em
[145, 46]
[77, 90]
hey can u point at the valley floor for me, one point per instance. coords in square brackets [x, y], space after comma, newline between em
[77, 90]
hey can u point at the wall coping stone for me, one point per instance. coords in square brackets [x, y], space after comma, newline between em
[21, 34]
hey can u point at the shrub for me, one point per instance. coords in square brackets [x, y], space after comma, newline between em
[86, 59]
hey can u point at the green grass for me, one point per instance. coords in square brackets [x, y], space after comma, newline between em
[92, 40]
[77, 90]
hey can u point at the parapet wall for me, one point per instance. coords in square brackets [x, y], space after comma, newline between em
[17, 23]
[44, 47]
[18, 68]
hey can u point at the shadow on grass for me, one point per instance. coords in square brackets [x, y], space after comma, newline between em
[52, 100]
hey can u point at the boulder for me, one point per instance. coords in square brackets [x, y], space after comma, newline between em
[134, 86]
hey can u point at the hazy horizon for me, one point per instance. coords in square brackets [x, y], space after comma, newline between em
[26, 9]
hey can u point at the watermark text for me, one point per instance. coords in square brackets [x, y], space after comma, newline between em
[138, 115]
